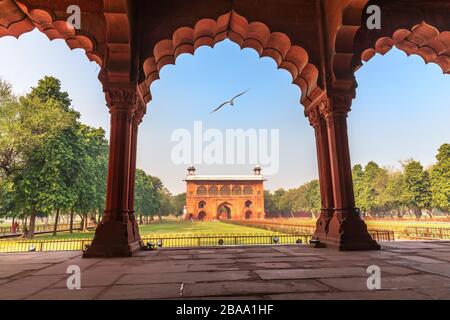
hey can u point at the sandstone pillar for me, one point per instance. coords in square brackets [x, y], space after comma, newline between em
[117, 234]
[346, 229]
[323, 160]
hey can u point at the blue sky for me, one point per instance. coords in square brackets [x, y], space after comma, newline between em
[402, 108]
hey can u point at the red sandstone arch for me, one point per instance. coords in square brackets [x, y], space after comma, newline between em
[354, 45]
[226, 213]
[23, 18]
[423, 40]
[201, 215]
[201, 191]
[202, 204]
[255, 35]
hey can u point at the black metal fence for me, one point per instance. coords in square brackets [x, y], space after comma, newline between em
[45, 228]
[382, 235]
[225, 239]
[43, 245]
[292, 228]
[162, 240]
[427, 233]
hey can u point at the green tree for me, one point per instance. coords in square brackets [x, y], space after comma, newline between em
[28, 125]
[146, 201]
[49, 89]
[417, 187]
[279, 202]
[166, 208]
[358, 185]
[440, 179]
[393, 196]
[269, 205]
[90, 183]
[179, 201]
[312, 197]
[372, 185]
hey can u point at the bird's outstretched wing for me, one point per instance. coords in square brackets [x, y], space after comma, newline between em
[220, 106]
[240, 94]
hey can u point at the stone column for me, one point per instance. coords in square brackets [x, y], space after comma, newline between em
[346, 229]
[117, 235]
[137, 119]
[323, 160]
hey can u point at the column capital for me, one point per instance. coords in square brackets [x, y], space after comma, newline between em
[123, 96]
[330, 105]
[313, 109]
[339, 103]
[314, 116]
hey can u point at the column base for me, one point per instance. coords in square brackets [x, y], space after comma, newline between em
[347, 232]
[114, 239]
[322, 223]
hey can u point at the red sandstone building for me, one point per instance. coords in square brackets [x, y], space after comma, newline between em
[220, 197]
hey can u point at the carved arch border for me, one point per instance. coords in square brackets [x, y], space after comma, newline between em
[255, 35]
[423, 39]
[25, 18]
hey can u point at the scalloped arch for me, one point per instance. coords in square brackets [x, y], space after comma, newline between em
[423, 40]
[25, 18]
[255, 35]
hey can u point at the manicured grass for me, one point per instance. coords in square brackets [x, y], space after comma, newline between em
[210, 227]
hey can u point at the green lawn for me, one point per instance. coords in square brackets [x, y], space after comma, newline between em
[214, 227]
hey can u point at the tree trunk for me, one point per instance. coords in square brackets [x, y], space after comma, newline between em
[141, 221]
[94, 216]
[71, 221]
[55, 227]
[30, 232]
[418, 213]
[84, 224]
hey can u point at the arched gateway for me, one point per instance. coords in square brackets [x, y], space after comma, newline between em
[320, 43]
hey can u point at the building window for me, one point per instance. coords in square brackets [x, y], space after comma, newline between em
[201, 215]
[201, 204]
[248, 204]
[225, 191]
[213, 191]
[237, 191]
[201, 191]
[248, 190]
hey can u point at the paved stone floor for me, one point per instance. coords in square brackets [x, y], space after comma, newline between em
[409, 270]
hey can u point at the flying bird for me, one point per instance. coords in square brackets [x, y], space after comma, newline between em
[231, 101]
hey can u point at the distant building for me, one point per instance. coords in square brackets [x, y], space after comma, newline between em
[222, 197]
